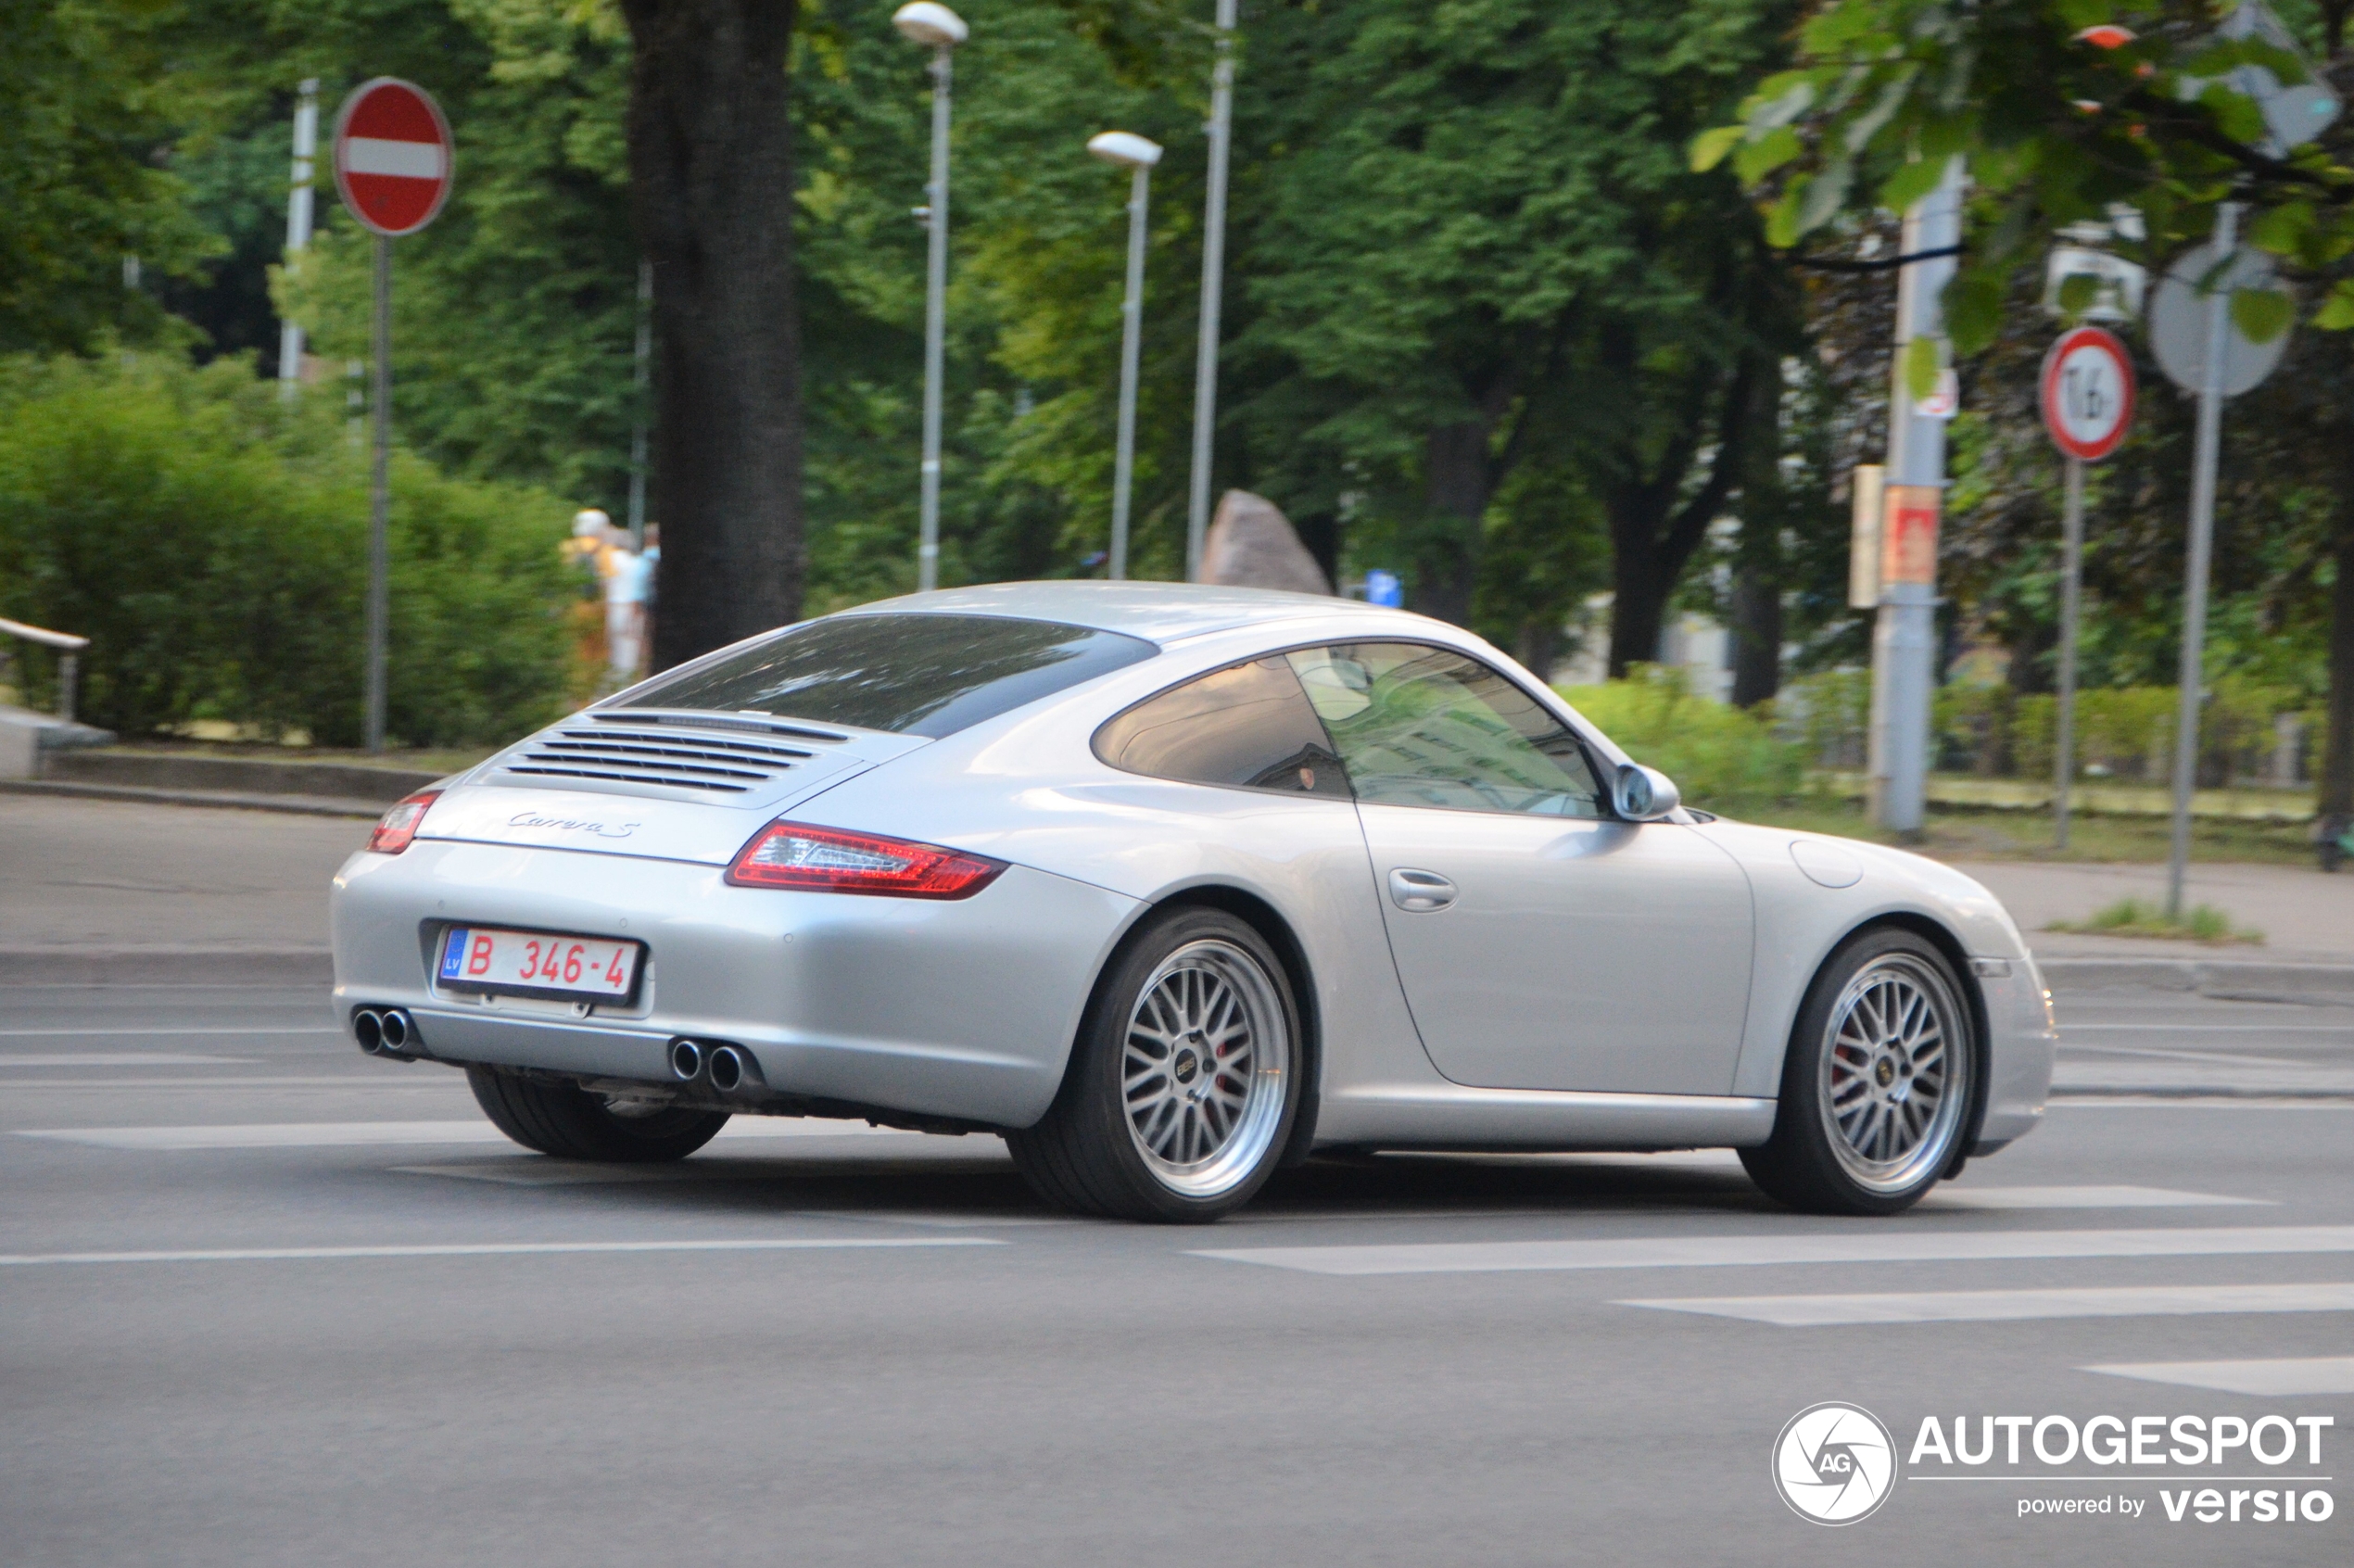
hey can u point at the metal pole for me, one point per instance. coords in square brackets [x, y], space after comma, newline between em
[380, 500]
[1131, 312]
[935, 322]
[2202, 549]
[1905, 639]
[2072, 611]
[641, 380]
[306, 147]
[1213, 278]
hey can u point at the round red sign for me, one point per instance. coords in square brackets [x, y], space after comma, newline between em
[2088, 393]
[392, 156]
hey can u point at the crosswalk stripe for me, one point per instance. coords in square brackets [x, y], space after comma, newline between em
[485, 1249]
[2011, 1306]
[2311, 1374]
[328, 1135]
[1861, 1245]
[2080, 1197]
[116, 1058]
[143, 1029]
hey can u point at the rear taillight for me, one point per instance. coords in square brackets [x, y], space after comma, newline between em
[401, 824]
[785, 854]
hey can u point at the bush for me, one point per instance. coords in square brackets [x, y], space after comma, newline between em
[1720, 756]
[212, 542]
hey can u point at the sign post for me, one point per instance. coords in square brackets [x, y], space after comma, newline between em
[392, 167]
[2087, 397]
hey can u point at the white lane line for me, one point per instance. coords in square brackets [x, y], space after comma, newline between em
[2011, 1306]
[485, 1249]
[116, 1058]
[1767, 1251]
[1991, 1198]
[2067, 1029]
[2315, 1374]
[135, 1029]
[329, 1134]
[365, 1079]
[2202, 1102]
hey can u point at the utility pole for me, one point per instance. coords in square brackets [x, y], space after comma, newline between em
[1137, 155]
[306, 147]
[1905, 639]
[937, 28]
[1213, 278]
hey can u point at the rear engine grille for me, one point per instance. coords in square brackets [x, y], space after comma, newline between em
[721, 764]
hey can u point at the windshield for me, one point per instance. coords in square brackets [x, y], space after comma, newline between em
[912, 674]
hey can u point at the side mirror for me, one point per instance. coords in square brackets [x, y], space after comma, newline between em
[1644, 794]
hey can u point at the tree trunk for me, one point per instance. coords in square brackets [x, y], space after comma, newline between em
[1458, 480]
[711, 175]
[1652, 538]
[1757, 631]
[1638, 596]
[2337, 750]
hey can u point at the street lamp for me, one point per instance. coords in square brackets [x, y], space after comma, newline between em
[1137, 155]
[940, 29]
[1213, 273]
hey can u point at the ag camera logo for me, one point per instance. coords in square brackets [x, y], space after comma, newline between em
[1834, 1463]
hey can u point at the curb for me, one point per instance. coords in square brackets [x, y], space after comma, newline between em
[2223, 979]
[167, 966]
[299, 805]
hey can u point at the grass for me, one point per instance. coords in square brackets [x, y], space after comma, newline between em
[2140, 917]
[1964, 833]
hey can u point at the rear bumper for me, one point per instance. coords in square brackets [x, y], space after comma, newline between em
[961, 1009]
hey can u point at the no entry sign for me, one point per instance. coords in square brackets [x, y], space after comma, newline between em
[2088, 393]
[392, 156]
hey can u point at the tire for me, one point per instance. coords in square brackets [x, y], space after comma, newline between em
[1884, 1028]
[570, 1123]
[1149, 1123]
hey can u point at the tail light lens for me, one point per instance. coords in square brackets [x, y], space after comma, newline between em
[785, 854]
[401, 824]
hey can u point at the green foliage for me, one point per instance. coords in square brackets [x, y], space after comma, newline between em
[211, 543]
[2051, 130]
[2140, 917]
[1722, 758]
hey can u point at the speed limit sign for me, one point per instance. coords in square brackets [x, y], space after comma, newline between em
[2088, 393]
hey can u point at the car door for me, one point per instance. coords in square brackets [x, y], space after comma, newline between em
[1542, 944]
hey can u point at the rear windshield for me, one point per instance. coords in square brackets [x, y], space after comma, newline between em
[913, 674]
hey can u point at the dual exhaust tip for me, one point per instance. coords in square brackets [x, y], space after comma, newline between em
[383, 1031]
[726, 1066]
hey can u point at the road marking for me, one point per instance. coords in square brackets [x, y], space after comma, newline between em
[2316, 1374]
[1864, 1244]
[115, 1058]
[332, 1135]
[2011, 1306]
[117, 1033]
[485, 1249]
[1992, 1198]
[2212, 1028]
[2327, 1100]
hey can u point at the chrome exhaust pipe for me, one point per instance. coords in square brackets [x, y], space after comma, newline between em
[726, 1070]
[686, 1060]
[368, 1028]
[393, 1026]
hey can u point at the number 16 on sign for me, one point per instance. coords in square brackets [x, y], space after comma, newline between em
[2088, 403]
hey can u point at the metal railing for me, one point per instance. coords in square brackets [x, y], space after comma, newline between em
[68, 649]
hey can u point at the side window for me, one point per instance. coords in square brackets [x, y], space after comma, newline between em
[1247, 725]
[1425, 726]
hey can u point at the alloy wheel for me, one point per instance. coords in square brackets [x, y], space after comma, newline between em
[1894, 1078]
[1202, 1067]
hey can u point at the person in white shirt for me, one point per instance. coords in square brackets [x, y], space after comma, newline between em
[624, 613]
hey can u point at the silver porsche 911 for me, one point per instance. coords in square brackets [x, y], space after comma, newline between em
[1171, 887]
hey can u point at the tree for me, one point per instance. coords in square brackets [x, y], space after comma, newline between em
[712, 184]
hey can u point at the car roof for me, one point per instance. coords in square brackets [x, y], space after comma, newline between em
[1157, 612]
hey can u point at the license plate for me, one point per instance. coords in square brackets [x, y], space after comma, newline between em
[537, 964]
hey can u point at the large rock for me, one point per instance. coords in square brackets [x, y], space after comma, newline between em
[1251, 545]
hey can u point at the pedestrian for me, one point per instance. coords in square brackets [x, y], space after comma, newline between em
[586, 552]
[652, 604]
[625, 615]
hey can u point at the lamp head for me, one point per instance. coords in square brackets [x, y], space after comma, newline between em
[934, 26]
[1125, 148]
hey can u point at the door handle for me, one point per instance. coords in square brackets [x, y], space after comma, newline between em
[1420, 892]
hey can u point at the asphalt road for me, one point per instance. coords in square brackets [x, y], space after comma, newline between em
[266, 1301]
